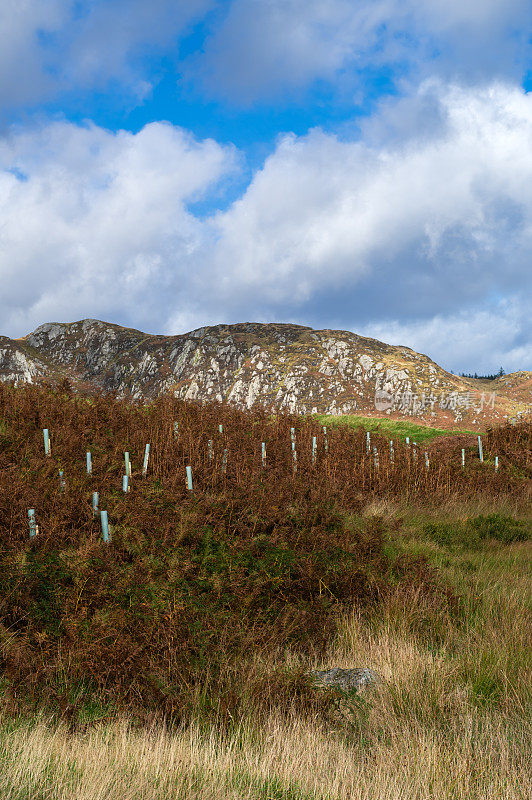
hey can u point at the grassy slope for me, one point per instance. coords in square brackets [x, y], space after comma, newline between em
[451, 719]
[395, 429]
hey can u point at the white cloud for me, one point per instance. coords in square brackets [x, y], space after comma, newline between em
[263, 47]
[477, 340]
[256, 49]
[95, 223]
[399, 228]
[450, 213]
[49, 46]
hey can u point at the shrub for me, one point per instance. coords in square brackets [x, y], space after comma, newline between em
[199, 593]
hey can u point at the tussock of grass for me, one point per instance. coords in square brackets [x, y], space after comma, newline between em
[477, 759]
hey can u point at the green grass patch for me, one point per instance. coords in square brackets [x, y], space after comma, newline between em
[474, 532]
[392, 428]
[484, 645]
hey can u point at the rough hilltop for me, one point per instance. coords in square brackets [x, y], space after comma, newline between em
[283, 366]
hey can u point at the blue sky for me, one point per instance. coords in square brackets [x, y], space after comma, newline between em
[355, 164]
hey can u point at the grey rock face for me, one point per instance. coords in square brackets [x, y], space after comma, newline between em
[19, 363]
[282, 367]
[347, 680]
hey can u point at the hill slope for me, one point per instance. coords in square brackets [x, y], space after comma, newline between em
[191, 604]
[283, 366]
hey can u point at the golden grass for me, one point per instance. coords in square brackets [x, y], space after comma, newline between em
[449, 721]
[476, 758]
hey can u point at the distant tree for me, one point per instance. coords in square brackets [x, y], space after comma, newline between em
[483, 377]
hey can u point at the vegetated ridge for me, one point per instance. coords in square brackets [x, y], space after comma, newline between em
[283, 367]
[197, 594]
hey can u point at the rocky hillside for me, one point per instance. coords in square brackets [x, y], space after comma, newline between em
[288, 367]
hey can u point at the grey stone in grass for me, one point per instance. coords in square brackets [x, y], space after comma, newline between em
[348, 680]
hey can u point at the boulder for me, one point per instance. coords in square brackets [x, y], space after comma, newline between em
[348, 680]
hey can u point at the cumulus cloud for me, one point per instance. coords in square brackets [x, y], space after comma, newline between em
[263, 47]
[405, 231]
[96, 223]
[255, 50]
[431, 222]
[475, 339]
[422, 229]
[49, 46]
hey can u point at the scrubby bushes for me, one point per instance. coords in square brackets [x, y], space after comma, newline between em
[197, 595]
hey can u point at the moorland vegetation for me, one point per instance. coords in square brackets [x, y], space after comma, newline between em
[180, 650]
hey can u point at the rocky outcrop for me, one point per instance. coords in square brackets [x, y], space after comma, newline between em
[18, 363]
[281, 366]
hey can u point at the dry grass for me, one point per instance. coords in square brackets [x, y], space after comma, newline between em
[393, 754]
[450, 636]
[449, 721]
[285, 761]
